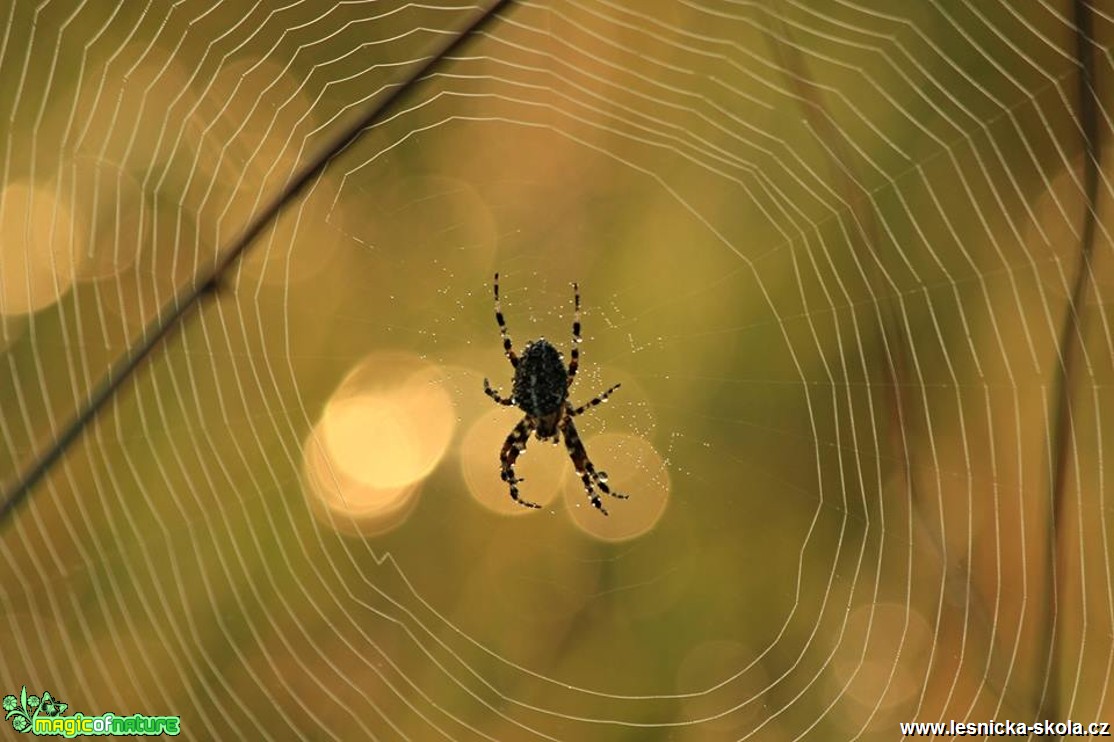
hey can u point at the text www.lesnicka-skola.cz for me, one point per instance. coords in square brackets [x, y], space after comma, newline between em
[1005, 728]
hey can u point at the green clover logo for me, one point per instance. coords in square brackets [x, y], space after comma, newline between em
[23, 711]
[51, 706]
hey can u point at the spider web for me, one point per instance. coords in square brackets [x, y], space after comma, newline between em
[848, 263]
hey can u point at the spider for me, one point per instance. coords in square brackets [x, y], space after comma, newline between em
[541, 389]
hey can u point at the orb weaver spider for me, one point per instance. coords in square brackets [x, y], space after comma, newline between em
[540, 389]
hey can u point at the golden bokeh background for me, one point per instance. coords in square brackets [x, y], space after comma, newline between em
[827, 249]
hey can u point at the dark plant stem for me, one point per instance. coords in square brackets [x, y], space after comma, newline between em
[186, 302]
[1050, 705]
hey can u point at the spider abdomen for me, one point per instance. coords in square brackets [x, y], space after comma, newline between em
[541, 381]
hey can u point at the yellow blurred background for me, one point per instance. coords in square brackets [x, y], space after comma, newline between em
[827, 250]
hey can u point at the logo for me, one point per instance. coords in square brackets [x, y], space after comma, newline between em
[46, 716]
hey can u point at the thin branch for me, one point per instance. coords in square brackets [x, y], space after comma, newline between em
[1070, 344]
[186, 302]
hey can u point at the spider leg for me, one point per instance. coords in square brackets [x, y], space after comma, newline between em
[584, 467]
[503, 327]
[592, 402]
[512, 447]
[575, 360]
[495, 395]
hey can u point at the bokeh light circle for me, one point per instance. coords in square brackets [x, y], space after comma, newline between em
[381, 433]
[38, 249]
[539, 466]
[633, 468]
